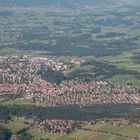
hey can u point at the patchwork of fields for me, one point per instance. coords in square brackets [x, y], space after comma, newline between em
[105, 131]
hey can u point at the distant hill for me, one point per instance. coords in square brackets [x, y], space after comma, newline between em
[58, 3]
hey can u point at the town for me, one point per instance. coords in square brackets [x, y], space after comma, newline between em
[69, 70]
[63, 127]
[27, 78]
[20, 75]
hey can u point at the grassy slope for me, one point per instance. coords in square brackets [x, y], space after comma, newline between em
[17, 124]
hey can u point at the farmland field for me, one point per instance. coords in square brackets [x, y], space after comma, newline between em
[17, 124]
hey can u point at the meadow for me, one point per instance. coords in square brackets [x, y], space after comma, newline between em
[16, 124]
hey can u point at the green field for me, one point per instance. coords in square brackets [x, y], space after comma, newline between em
[124, 57]
[124, 130]
[16, 124]
[17, 101]
[124, 79]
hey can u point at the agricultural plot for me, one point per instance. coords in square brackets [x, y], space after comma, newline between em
[17, 124]
[17, 101]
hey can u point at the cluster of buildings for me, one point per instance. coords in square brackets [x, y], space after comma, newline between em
[53, 63]
[77, 61]
[17, 70]
[79, 93]
[20, 75]
[63, 127]
[56, 127]
[23, 70]
[10, 33]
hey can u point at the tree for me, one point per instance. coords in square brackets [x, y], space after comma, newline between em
[4, 134]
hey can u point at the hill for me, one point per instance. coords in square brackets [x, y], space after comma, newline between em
[58, 3]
